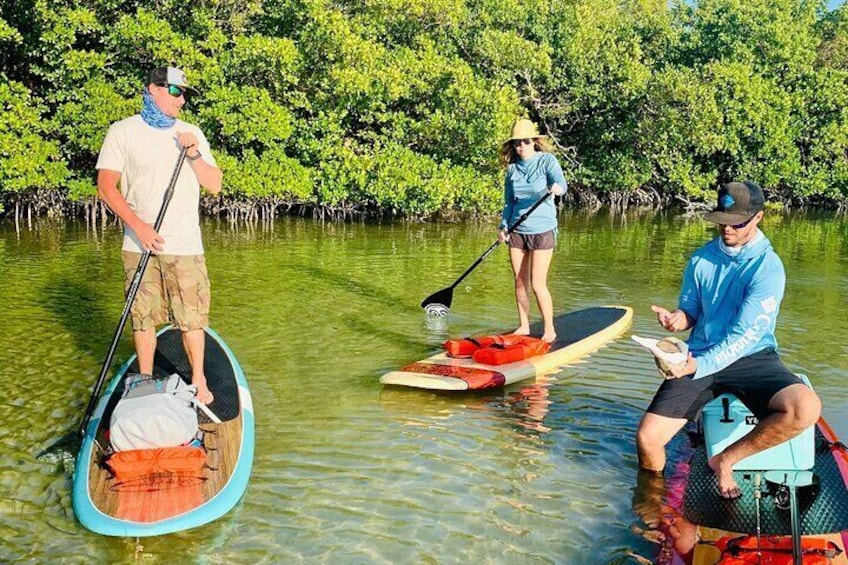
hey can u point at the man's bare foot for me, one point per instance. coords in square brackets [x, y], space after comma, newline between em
[204, 395]
[727, 487]
[522, 330]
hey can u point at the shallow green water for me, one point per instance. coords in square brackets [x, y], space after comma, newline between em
[349, 472]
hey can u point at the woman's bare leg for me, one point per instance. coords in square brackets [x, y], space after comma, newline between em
[540, 260]
[520, 260]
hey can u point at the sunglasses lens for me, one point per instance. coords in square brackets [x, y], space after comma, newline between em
[175, 91]
[743, 224]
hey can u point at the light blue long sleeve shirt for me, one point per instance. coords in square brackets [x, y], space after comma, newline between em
[525, 183]
[734, 300]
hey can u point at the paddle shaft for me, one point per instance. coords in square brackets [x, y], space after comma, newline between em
[795, 517]
[131, 293]
[494, 246]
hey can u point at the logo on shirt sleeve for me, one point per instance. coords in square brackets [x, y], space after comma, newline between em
[769, 305]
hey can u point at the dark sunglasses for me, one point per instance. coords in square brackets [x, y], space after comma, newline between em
[174, 90]
[743, 224]
[519, 142]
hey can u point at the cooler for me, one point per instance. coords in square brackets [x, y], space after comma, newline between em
[726, 420]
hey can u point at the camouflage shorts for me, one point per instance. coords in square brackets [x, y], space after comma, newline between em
[174, 288]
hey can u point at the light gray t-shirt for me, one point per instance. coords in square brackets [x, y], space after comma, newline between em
[146, 158]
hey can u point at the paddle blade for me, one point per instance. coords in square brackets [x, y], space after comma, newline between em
[442, 298]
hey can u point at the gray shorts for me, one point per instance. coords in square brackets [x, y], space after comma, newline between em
[533, 241]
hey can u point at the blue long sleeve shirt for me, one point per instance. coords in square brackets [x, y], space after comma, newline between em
[734, 300]
[525, 183]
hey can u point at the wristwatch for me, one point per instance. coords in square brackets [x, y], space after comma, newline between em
[195, 158]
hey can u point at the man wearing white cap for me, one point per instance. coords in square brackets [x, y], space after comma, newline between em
[139, 154]
[731, 295]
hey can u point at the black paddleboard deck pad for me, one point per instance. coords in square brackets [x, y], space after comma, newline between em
[823, 505]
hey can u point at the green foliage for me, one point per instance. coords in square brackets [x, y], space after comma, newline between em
[822, 118]
[271, 63]
[27, 160]
[723, 123]
[63, 51]
[400, 106]
[833, 49]
[270, 175]
[402, 181]
[237, 118]
[399, 181]
[8, 34]
[773, 36]
[600, 74]
[86, 115]
[506, 55]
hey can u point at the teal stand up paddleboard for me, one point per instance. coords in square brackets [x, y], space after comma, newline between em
[166, 502]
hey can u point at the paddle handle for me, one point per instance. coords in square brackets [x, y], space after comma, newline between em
[131, 293]
[494, 246]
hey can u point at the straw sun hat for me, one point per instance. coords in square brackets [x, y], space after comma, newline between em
[524, 129]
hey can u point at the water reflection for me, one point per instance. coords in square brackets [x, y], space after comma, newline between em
[522, 406]
[658, 504]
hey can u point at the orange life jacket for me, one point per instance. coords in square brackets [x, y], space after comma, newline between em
[157, 484]
[497, 349]
[186, 460]
[774, 550]
[465, 347]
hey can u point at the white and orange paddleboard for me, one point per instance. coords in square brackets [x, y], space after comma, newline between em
[579, 333]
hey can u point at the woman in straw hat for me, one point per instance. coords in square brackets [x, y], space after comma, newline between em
[531, 171]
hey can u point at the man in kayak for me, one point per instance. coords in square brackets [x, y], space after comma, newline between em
[140, 153]
[731, 295]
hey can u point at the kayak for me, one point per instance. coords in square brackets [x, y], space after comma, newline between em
[579, 333]
[784, 516]
[162, 503]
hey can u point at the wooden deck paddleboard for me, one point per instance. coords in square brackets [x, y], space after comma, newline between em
[823, 508]
[578, 333]
[164, 504]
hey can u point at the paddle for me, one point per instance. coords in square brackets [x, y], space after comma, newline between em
[439, 303]
[133, 290]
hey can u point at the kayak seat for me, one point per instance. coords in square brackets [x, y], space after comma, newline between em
[726, 419]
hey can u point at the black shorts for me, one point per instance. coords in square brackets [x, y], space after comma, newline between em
[754, 379]
[533, 241]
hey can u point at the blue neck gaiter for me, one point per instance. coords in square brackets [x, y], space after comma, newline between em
[152, 115]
